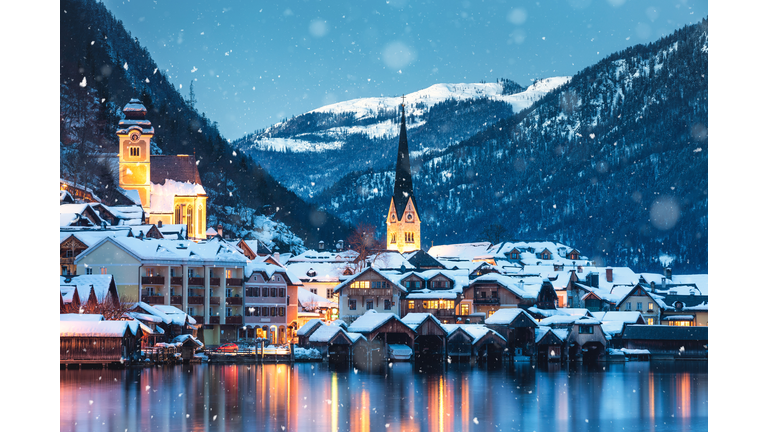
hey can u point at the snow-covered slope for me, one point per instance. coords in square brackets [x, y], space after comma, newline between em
[366, 110]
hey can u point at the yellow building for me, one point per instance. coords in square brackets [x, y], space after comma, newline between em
[169, 186]
[403, 222]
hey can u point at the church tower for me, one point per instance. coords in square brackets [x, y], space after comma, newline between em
[135, 133]
[403, 222]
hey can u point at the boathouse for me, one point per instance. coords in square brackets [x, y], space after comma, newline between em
[667, 341]
[517, 327]
[430, 342]
[98, 342]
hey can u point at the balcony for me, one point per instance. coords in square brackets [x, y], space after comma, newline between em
[177, 280]
[152, 280]
[197, 281]
[199, 319]
[234, 282]
[195, 300]
[215, 281]
[234, 300]
[487, 300]
[153, 299]
[215, 300]
[175, 300]
[214, 320]
[235, 319]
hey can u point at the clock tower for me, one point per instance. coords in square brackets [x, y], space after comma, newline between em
[403, 222]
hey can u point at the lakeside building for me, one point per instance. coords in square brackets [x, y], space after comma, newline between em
[270, 302]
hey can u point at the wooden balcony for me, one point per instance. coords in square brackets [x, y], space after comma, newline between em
[234, 282]
[177, 280]
[215, 281]
[175, 300]
[214, 319]
[369, 292]
[234, 300]
[195, 300]
[196, 281]
[155, 299]
[215, 300]
[152, 280]
[234, 320]
[487, 300]
[199, 318]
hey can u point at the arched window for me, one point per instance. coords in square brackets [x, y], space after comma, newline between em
[177, 215]
[200, 221]
[190, 225]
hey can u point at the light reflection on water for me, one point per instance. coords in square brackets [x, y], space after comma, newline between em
[658, 396]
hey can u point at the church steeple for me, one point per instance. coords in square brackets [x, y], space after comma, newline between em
[403, 182]
[403, 222]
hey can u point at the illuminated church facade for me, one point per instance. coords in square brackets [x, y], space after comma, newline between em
[403, 221]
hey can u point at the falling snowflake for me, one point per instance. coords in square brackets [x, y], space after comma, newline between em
[475, 420]
[194, 69]
[83, 82]
[147, 388]
[125, 66]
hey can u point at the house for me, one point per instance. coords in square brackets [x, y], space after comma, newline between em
[684, 310]
[614, 322]
[550, 343]
[517, 327]
[371, 289]
[320, 272]
[194, 277]
[87, 293]
[585, 339]
[271, 302]
[638, 299]
[430, 342]
[437, 292]
[98, 342]
[474, 342]
[382, 329]
[491, 292]
[667, 341]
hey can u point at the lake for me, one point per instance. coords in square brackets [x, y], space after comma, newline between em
[633, 396]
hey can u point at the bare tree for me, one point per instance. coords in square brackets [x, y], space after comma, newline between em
[368, 246]
[493, 233]
[111, 309]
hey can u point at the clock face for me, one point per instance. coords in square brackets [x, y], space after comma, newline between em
[134, 137]
[409, 217]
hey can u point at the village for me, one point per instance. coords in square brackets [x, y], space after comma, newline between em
[146, 280]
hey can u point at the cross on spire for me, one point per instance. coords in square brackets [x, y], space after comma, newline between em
[403, 100]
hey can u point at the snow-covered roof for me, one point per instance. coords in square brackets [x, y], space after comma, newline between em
[460, 251]
[100, 283]
[476, 331]
[522, 287]
[372, 320]
[630, 317]
[314, 256]
[560, 311]
[392, 277]
[306, 298]
[700, 280]
[81, 317]
[567, 320]
[451, 294]
[309, 325]
[325, 333]
[162, 195]
[151, 310]
[178, 316]
[144, 317]
[93, 328]
[506, 316]
[181, 339]
[175, 251]
[541, 332]
[318, 271]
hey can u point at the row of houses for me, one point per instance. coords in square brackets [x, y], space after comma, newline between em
[570, 335]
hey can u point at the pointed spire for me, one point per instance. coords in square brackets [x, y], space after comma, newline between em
[403, 182]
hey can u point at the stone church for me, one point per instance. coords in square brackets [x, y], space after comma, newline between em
[169, 187]
[403, 222]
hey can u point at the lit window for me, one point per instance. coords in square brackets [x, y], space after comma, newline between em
[464, 309]
[103, 270]
[650, 306]
[411, 304]
[394, 239]
[650, 321]
[134, 151]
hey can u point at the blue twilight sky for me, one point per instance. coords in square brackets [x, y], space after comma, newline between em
[257, 62]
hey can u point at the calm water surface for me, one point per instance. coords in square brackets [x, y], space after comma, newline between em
[636, 396]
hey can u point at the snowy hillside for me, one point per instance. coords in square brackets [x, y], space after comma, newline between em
[417, 104]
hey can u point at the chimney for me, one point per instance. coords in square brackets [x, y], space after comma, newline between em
[668, 273]
[663, 283]
[159, 224]
[609, 274]
[220, 230]
[321, 245]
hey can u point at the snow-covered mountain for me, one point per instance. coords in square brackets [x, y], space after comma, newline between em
[362, 133]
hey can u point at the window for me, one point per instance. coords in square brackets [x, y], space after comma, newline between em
[639, 306]
[650, 306]
[281, 292]
[387, 305]
[273, 311]
[229, 274]
[628, 306]
[369, 304]
[329, 293]
[650, 321]
[361, 284]
[282, 311]
[430, 304]
[256, 311]
[229, 292]
[265, 311]
[103, 270]
[464, 309]
[88, 270]
[352, 304]
[273, 291]
[586, 329]
[393, 239]
[313, 290]
[134, 151]
[409, 237]
[411, 304]
[229, 312]
[69, 253]
[191, 311]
